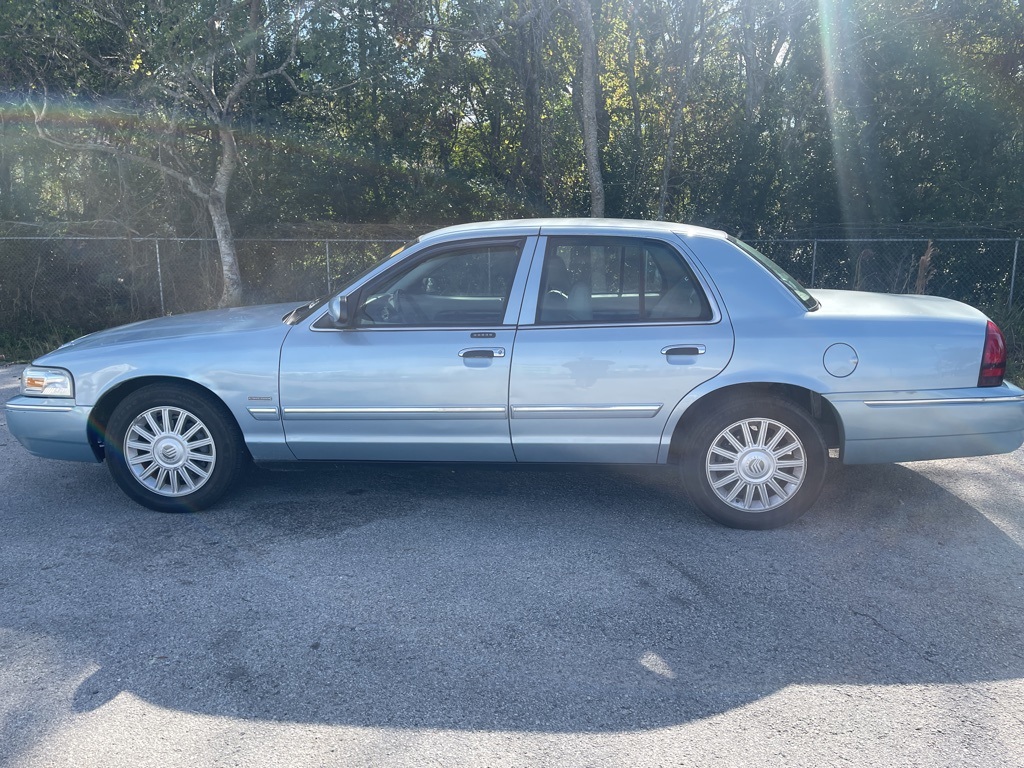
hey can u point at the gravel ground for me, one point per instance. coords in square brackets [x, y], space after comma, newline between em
[465, 616]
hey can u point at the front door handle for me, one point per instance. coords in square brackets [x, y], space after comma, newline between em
[684, 349]
[488, 352]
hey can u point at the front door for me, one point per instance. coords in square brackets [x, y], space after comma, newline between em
[423, 372]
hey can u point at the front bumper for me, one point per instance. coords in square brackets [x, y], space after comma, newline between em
[885, 427]
[54, 428]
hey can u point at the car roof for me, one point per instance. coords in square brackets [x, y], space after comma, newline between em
[519, 227]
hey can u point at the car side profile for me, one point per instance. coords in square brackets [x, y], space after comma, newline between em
[569, 341]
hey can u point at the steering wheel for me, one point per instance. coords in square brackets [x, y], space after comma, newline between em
[406, 308]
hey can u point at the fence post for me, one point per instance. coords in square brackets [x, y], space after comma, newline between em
[1013, 272]
[327, 245]
[159, 275]
[814, 261]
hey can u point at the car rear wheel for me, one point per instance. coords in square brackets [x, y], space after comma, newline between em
[754, 463]
[173, 449]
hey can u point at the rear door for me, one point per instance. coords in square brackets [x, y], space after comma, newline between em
[615, 330]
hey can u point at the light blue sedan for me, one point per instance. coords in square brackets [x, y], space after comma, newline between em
[598, 341]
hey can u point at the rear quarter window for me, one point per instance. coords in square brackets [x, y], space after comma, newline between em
[793, 285]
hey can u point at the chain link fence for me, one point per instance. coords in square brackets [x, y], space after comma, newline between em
[980, 272]
[52, 289]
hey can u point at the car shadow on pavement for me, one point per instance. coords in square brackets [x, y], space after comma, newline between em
[527, 599]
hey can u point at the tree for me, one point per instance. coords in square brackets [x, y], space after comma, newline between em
[590, 88]
[687, 40]
[765, 115]
[171, 90]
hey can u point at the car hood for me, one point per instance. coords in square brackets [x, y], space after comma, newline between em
[195, 324]
[892, 306]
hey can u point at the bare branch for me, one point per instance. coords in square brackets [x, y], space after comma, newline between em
[39, 115]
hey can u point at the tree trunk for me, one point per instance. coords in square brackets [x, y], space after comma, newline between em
[588, 104]
[670, 151]
[231, 295]
[6, 180]
[533, 108]
[634, 93]
[217, 204]
[687, 57]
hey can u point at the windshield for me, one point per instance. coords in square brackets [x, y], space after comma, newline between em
[794, 285]
[299, 314]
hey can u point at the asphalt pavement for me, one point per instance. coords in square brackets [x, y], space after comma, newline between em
[422, 615]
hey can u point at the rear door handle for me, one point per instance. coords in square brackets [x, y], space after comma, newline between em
[488, 352]
[684, 349]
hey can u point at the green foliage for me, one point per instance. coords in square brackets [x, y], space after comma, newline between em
[26, 345]
[766, 116]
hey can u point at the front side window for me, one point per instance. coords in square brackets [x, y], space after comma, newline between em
[466, 286]
[617, 280]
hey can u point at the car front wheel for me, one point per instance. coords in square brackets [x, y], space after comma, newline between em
[754, 463]
[173, 449]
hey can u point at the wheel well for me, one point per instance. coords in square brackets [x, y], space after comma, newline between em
[99, 416]
[811, 402]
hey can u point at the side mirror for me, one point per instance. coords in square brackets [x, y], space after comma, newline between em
[338, 309]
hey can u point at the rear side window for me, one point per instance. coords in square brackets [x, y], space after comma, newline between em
[617, 280]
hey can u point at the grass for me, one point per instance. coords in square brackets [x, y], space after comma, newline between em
[26, 347]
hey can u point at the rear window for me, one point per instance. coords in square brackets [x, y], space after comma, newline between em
[794, 285]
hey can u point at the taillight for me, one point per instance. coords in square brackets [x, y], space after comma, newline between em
[993, 359]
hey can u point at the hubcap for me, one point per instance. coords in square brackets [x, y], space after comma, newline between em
[170, 451]
[756, 465]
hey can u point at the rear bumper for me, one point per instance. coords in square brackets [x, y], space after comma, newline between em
[884, 427]
[52, 428]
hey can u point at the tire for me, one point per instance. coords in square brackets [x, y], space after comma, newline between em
[754, 462]
[173, 449]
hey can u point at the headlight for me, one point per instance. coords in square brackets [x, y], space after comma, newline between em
[47, 382]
